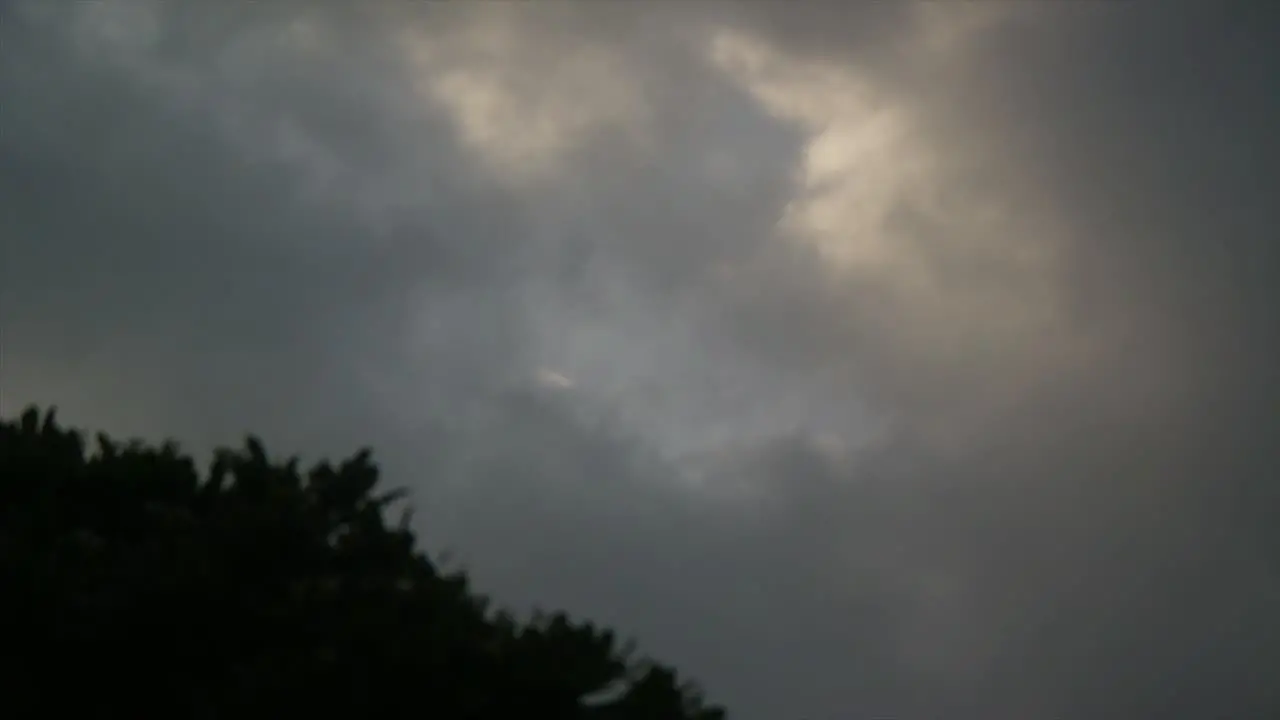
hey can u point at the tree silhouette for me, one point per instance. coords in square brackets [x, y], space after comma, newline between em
[135, 586]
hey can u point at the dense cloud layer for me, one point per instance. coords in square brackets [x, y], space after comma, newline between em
[886, 360]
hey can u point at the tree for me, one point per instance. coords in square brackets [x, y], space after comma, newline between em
[137, 586]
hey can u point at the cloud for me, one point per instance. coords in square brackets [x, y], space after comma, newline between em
[553, 379]
[890, 360]
[517, 100]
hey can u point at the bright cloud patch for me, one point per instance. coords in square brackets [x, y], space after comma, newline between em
[954, 272]
[518, 106]
[859, 161]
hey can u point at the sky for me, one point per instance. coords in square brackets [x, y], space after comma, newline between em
[864, 360]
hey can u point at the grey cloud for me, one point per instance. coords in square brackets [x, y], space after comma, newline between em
[155, 225]
[1113, 524]
[207, 227]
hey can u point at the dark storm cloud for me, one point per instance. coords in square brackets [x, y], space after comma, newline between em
[178, 227]
[219, 218]
[1113, 529]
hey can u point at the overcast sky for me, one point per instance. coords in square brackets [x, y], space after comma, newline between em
[862, 360]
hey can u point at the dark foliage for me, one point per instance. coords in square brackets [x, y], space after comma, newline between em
[134, 586]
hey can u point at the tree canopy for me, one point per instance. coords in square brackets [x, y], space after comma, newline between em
[135, 584]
